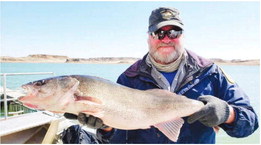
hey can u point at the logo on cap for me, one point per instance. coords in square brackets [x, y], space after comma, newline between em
[167, 14]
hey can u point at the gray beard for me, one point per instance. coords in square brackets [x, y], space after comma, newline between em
[166, 59]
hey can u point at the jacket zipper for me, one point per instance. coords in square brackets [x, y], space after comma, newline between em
[190, 81]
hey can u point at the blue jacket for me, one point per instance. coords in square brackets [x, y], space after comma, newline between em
[202, 78]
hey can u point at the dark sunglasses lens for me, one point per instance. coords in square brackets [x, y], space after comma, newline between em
[172, 34]
[161, 34]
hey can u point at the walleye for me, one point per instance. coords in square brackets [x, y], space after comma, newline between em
[116, 105]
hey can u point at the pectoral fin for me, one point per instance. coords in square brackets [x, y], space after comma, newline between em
[171, 128]
[89, 105]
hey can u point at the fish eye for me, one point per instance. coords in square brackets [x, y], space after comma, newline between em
[40, 83]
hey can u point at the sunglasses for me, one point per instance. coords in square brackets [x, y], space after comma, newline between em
[172, 34]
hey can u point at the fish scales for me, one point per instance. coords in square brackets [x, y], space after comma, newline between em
[118, 106]
[107, 92]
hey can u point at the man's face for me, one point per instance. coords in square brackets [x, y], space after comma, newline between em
[166, 50]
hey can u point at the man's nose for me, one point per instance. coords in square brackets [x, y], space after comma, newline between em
[166, 39]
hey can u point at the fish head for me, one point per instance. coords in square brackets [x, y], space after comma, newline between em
[47, 91]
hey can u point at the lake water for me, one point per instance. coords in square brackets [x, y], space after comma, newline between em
[248, 77]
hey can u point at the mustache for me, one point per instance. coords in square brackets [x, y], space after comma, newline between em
[166, 44]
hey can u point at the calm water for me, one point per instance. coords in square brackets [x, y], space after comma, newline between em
[248, 77]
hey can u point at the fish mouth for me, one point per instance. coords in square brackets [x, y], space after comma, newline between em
[24, 101]
[31, 106]
[26, 93]
[29, 90]
[25, 89]
[21, 98]
[25, 86]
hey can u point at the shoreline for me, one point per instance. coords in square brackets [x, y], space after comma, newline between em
[67, 62]
[249, 63]
[43, 58]
[218, 63]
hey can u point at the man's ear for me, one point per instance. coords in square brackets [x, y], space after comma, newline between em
[149, 38]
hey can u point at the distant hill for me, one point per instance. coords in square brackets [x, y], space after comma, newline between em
[44, 58]
[236, 61]
[35, 58]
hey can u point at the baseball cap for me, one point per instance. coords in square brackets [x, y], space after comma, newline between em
[164, 16]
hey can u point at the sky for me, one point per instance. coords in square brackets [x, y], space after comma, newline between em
[87, 29]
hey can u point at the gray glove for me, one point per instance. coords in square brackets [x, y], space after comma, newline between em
[215, 112]
[89, 120]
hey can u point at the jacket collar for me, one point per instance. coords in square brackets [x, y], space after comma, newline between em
[193, 67]
[139, 68]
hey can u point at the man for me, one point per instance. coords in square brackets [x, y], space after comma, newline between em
[169, 66]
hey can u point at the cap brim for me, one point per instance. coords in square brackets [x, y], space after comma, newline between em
[154, 28]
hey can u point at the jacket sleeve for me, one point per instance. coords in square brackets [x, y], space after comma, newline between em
[246, 121]
[103, 136]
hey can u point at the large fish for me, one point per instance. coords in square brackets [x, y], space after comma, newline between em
[118, 106]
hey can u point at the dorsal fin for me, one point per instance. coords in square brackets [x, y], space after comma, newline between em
[171, 128]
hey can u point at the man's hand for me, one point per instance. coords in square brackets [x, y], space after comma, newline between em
[89, 120]
[215, 112]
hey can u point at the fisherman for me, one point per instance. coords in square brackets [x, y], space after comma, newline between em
[168, 65]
